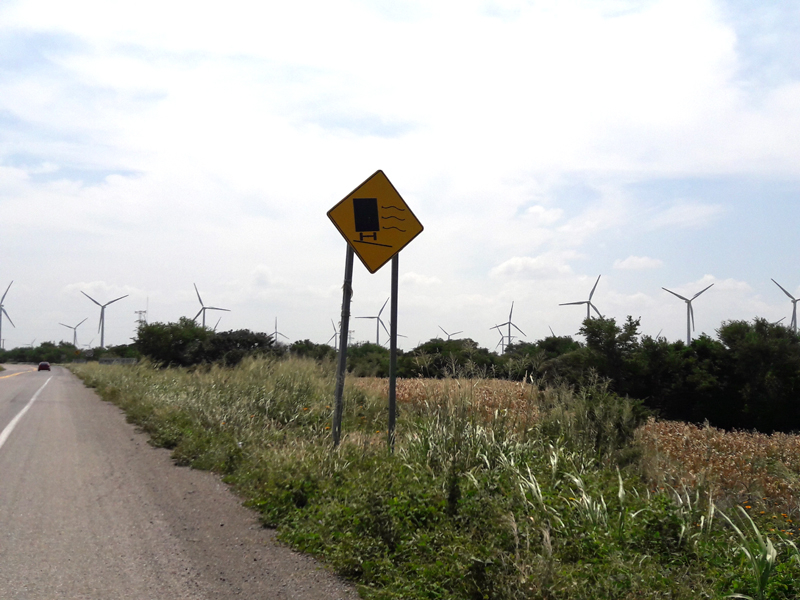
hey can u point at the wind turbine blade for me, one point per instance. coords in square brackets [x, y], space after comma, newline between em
[700, 292]
[442, 328]
[81, 323]
[595, 310]
[9, 318]
[4, 293]
[198, 313]
[90, 298]
[384, 328]
[456, 333]
[215, 308]
[115, 299]
[520, 330]
[382, 307]
[198, 294]
[674, 294]
[594, 288]
[67, 326]
[572, 303]
[551, 331]
[773, 281]
[218, 320]
[511, 312]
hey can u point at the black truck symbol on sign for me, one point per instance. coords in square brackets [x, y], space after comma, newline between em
[369, 222]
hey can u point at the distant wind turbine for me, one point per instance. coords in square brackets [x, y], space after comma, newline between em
[793, 323]
[204, 308]
[3, 312]
[509, 337]
[101, 328]
[74, 331]
[588, 302]
[277, 333]
[689, 311]
[449, 335]
[335, 337]
[378, 324]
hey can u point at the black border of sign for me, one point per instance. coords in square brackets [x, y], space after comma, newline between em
[349, 243]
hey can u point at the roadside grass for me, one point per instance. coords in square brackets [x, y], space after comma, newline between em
[496, 490]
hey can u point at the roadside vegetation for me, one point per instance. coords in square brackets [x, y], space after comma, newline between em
[530, 489]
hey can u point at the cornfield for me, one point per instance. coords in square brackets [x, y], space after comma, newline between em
[751, 469]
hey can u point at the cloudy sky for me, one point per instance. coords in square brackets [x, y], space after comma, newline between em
[146, 146]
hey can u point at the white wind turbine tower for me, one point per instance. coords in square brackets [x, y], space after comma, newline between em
[502, 342]
[74, 331]
[689, 312]
[588, 303]
[277, 333]
[378, 324]
[3, 312]
[204, 308]
[509, 337]
[793, 324]
[449, 335]
[101, 328]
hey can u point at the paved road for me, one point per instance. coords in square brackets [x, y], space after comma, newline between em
[90, 511]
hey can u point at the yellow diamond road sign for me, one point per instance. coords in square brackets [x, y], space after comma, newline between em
[375, 221]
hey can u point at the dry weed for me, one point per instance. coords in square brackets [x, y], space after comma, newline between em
[748, 468]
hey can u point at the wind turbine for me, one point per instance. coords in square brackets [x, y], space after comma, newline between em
[335, 337]
[3, 312]
[74, 331]
[277, 333]
[378, 324]
[689, 312]
[204, 308]
[793, 324]
[509, 337]
[101, 328]
[449, 335]
[588, 303]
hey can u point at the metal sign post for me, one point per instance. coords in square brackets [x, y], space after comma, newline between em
[347, 294]
[393, 353]
[377, 224]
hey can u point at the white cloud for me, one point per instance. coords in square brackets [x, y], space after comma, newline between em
[687, 214]
[543, 266]
[543, 216]
[637, 263]
[417, 279]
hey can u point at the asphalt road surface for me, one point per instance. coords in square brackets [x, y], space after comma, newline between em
[90, 511]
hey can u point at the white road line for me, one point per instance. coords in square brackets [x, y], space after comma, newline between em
[10, 427]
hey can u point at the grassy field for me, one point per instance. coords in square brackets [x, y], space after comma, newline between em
[495, 490]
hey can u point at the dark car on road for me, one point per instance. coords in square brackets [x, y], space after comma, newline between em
[44, 366]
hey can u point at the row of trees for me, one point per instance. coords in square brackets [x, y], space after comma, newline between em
[63, 352]
[746, 378]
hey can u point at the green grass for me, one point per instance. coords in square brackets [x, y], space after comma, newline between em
[468, 507]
